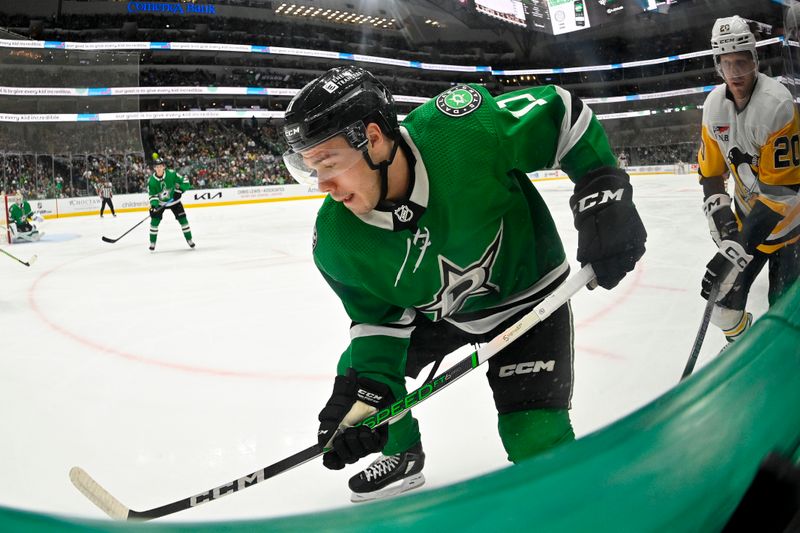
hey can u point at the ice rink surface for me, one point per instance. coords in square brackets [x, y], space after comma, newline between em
[165, 374]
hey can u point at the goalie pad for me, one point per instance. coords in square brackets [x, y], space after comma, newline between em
[28, 233]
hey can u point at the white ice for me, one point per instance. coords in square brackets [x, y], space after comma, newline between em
[165, 374]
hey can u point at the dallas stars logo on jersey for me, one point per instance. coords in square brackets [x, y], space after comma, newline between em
[459, 101]
[459, 284]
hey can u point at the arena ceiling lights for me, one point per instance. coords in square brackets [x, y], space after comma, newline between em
[336, 16]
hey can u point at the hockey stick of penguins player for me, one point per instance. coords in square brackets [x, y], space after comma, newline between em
[701, 333]
[112, 241]
[27, 263]
[115, 509]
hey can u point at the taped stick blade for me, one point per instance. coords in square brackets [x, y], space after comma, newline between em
[97, 494]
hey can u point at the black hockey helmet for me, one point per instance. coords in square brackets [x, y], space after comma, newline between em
[157, 160]
[334, 103]
[343, 101]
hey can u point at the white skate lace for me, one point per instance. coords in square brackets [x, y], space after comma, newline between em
[381, 467]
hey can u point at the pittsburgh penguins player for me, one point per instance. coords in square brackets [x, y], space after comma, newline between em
[750, 134]
[433, 237]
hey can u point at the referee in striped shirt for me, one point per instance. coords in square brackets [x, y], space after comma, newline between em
[105, 192]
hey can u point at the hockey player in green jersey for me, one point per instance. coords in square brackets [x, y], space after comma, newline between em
[21, 219]
[165, 187]
[433, 237]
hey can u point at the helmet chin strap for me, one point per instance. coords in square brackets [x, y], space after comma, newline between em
[383, 169]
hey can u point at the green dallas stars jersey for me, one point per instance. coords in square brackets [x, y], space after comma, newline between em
[161, 189]
[484, 246]
[20, 213]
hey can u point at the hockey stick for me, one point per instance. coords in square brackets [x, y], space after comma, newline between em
[107, 239]
[27, 263]
[112, 241]
[701, 333]
[115, 509]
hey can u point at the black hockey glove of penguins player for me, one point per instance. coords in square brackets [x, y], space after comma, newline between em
[736, 249]
[611, 235]
[352, 400]
[721, 222]
[724, 269]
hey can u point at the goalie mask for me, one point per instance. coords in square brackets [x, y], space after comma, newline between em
[341, 102]
[731, 35]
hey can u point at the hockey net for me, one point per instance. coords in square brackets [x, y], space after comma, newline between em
[5, 231]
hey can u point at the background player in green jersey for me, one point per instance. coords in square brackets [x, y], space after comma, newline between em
[433, 237]
[22, 220]
[165, 187]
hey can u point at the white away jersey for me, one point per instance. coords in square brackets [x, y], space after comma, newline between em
[760, 146]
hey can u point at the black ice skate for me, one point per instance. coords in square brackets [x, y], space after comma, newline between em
[389, 476]
[190, 243]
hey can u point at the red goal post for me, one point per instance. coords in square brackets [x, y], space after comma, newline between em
[5, 230]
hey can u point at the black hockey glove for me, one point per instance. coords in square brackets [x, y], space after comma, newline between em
[155, 212]
[611, 235]
[721, 222]
[724, 269]
[176, 195]
[352, 400]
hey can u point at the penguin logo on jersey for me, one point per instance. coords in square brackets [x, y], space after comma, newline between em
[458, 284]
[459, 101]
[744, 165]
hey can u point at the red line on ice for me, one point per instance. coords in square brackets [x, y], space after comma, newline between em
[66, 332]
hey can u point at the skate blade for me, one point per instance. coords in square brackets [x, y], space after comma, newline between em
[409, 483]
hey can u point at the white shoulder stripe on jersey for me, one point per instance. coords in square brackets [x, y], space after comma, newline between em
[571, 134]
[371, 330]
[400, 328]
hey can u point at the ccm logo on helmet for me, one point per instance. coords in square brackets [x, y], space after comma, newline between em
[530, 367]
[595, 199]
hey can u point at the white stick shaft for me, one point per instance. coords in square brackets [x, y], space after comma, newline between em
[546, 307]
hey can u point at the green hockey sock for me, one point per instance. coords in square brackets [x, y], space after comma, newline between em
[528, 433]
[403, 434]
[187, 232]
[153, 232]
